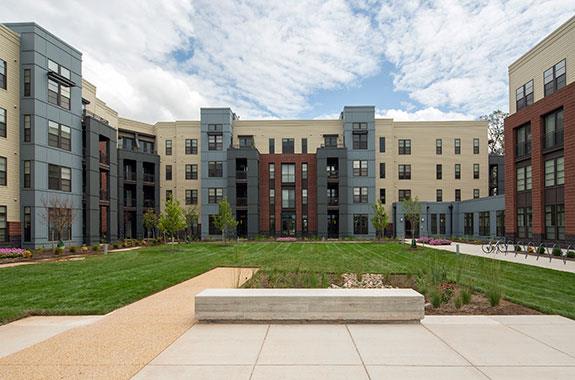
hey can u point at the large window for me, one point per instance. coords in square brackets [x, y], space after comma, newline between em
[3, 224]
[433, 219]
[59, 178]
[475, 171]
[524, 95]
[191, 197]
[246, 141]
[442, 224]
[554, 172]
[3, 69]
[27, 128]
[553, 133]
[59, 136]
[404, 194]
[359, 139]
[272, 146]
[288, 198]
[500, 223]
[457, 146]
[191, 146]
[168, 147]
[168, 172]
[27, 224]
[191, 171]
[555, 222]
[215, 141]
[27, 82]
[304, 145]
[404, 171]
[554, 78]
[484, 227]
[523, 141]
[59, 224]
[288, 145]
[438, 171]
[360, 195]
[359, 168]
[360, 224]
[3, 122]
[330, 140]
[27, 174]
[468, 224]
[212, 228]
[215, 168]
[404, 146]
[215, 194]
[524, 222]
[382, 145]
[524, 181]
[288, 173]
[457, 171]
[476, 146]
[382, 170]
[58, 94]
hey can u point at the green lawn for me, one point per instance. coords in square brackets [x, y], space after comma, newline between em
[100, 284]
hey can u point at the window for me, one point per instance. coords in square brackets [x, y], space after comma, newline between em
[524, 222]
[475, 193]
[304, 170]
[288, 198]
[3, 224]
[272, 198]
[215, 194]
[404, 146]
[287, 145]
[59, 136]
[439, 195]
[330, 141]
[3, 171]
[272, 224]
[360, 195]
[3, 69]
[360, 224]
[27, 174]
[304, 196]
[27, 128]
[304, 224]
[554, 172]
[468, 224]
[404, 194]
[475, 171]
[438, 146]
[246, 141]
[442, 224]
[475, 146]
[169, 194]
[382, 195]
[272, 146]
[457, 171]
[457, 195]
[382, 145]
[59, 178]
[272, 171]
[168, 172]
[500, 223]
[3, 122]
[58, 94]
[553, 133]
[555, 222]
[215, 141]
[27, 82]
[359, 168]
[212, 228]
[433, 218]
[168, 147]
[288, 173]
[191, 146]
[304, 145]
[359, 126]
[438, 171]
[523, 141]
[59, 224]
[192, 171]
[524, 178]
[457, 145]
[524, 95]
[192, 197]
[404, 171]
[27, 224]
[215, 169]
[554, 78]
[382, 170]
[484, 227]
[360, 140]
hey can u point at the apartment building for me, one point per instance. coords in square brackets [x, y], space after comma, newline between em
[540, 140]
[67, 158]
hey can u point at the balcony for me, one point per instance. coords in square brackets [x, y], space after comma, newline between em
[332, 201]
[242, 201]
[130, 176]
[104, 159]
[332, 173]
[149, 177]
[553, 139]
[149, 203]
[129, 202]
[241, 174]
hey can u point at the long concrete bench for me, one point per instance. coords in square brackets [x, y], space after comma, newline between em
[335, 305]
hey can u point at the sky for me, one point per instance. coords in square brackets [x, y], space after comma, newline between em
[413, 60]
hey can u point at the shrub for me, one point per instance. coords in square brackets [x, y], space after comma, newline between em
[541, 250]
[458, 302]
[38, 251]
[116, 245]
[95, 248]
[84, 249]
[27, 254]
[517, 248]
[571, 254]
[10, 253]
[465, 296]
[59, 250]
[446, 295]
[435, 297]
[73, 249]
[556, 251]
[494, 294]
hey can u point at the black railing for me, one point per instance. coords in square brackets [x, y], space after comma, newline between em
[149, 203]
[148, 177]
[332, 173]
[332, 201]
[129, 202]
[241, 201]
[241, 174]
[129, 176]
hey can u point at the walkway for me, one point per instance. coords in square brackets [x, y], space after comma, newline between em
[118, 345]
[453, 347]
[475, 250]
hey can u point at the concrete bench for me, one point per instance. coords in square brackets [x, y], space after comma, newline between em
[308, 305]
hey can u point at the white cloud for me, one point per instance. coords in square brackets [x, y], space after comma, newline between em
[428, 114]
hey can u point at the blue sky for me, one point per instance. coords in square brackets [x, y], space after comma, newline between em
[412, 59]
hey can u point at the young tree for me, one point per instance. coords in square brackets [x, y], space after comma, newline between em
[172, 219]
[225, 220]
[58, 214]
[191, 214]
[150, 221]
[411, 212]
[495, 132]
[379, 219]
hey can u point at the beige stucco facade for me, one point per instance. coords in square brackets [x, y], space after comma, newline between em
[10, 145]
[554, 48]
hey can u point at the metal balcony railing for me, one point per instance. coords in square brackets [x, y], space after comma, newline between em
[241, 174]
[129, 176]
[333, 201]
[129, 202]
[332, 173]
[242, 201]
[149, 177]
[149, 203]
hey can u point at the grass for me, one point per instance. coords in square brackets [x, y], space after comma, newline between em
[101, 284]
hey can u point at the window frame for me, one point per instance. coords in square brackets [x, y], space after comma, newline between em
[404, 147]
[457, 146]
[526, 97]
[404, 174]
[360, 194]
[555, 82]
[360, 168]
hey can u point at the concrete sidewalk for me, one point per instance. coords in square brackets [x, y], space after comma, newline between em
[452, 347]
[475, 250]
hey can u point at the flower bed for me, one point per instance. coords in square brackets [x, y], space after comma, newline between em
[10, 253]
[433, 241]
[286, 239]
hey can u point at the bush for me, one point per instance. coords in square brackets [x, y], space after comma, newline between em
[116, 245]
[84, 249]
[435, 297]
[59, 250]
[27, 254]
[458, 303]
[494, 295]
[465, 296]
[73, 249]
[571, 254]
[517, 248]
[446, 295]
[556, 251]
[541, 250]
[95, 248]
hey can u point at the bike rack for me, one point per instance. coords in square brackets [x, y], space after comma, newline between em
[504, 244]
[556, 245]
[529, 245]
[569, 247]
[541, 245]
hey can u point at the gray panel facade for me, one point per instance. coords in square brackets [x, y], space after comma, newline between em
[252, 182]
[322, 155]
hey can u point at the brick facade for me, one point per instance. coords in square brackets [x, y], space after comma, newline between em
[297, 159]
[534, 114]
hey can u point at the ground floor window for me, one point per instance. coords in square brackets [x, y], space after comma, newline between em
[272, 224]
[442, 224]
[555, 222]
[288, 223]
[104, 223]
[360, 224]
[212, 229]
[524, 222]
[484, 227]
[434, 224]
[3, 224]
[468, 224]
[304, 225]
[27, 224]
[500, 223]
[59, 224]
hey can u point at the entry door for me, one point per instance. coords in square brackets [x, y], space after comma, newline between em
[288, 224]
[333, 225]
